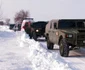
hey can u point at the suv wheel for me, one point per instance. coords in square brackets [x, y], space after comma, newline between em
[64, 48]
[49, 44]
[34, 36]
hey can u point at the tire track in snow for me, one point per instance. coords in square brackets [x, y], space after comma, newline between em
[76, 59]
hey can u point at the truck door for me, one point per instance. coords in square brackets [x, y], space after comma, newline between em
[51, 32]
[55, 33]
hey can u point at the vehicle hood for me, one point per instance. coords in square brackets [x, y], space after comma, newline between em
[70, 31]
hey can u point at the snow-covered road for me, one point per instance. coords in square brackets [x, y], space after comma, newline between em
[18, 52]
[76, 59]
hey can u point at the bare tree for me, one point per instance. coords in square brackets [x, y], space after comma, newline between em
[19, 16]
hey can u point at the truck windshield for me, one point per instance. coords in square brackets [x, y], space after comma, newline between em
[66, 24]
[80, 24]
[39, 24]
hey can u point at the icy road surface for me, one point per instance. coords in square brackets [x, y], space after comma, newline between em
[19, 53]
[76, 58]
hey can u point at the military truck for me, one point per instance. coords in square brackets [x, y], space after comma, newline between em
[67, 33]
[38, 29]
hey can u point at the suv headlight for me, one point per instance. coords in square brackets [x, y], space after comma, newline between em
[69, 35]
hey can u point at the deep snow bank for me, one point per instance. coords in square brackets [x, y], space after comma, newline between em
[40, 58]
[12, 57]
[36, 55]
[5, 32]
[4, 28]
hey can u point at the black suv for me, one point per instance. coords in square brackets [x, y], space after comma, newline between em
[15, 27]
[38, 29]
[11, 26]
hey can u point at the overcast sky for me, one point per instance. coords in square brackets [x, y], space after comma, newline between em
[45, 9]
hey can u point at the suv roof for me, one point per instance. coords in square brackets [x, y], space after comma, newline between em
[69, 23]
[73, 19]
[72, 23]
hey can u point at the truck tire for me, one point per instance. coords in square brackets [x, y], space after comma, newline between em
[34, 36]
[64, 48]
[49, 44]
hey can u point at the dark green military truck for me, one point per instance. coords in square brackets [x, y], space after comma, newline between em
[67, 33]
[38, 29]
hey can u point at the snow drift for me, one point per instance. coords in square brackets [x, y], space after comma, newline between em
[40, 58]
[18, 52]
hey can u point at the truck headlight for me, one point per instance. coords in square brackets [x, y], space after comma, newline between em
[69, 35]
[37, 30]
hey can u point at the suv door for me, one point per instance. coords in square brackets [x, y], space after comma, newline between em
[55, 33]
[51, 32]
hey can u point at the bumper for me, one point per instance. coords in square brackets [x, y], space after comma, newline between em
[81, 43]
[81, 39]
[40, 34]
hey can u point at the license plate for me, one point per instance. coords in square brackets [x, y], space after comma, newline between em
[83, 41]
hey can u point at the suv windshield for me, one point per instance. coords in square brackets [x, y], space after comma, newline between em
[66, 24]
[80, 24]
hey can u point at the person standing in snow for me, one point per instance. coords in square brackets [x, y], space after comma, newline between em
[26, 27]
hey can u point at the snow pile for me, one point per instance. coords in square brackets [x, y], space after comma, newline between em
[12, 57]
[31, 56]
[5, 28]
[22, 38]
[41, 59]
[5, 32]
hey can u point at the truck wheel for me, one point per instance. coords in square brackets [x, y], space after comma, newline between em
[49, 44]
[34, 36]
[64, 48]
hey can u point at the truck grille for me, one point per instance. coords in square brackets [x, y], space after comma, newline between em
[81, 39]
[80, 43]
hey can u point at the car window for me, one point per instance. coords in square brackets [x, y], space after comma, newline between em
[55, 25]
[67, 24]
[80, 24]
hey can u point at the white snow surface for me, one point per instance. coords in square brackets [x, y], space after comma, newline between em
[18, 52]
